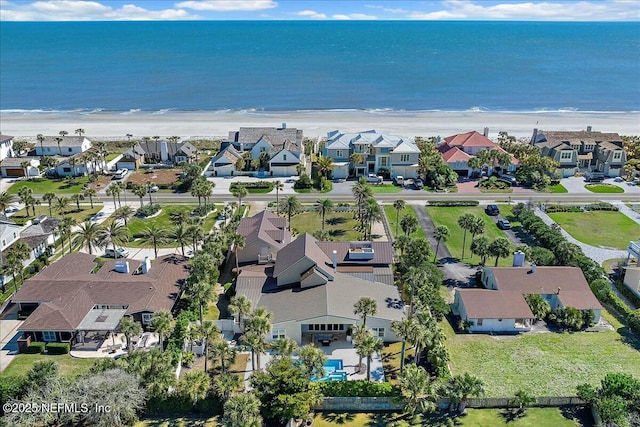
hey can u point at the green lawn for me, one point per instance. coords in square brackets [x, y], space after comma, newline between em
[557, 188]
[46, 185]
[111, 156]
[535, 417]
[545, 364]
[68, 365]
[385, 188]
[84, 214]
[178, 422]
[599, 228]
[137, 225]
[340, 225]
[391, 355]
[391, 212]
[449, 216]
[604, 188]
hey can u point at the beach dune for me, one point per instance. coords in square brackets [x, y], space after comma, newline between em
[313, 123]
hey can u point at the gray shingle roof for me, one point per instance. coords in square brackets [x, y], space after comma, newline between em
[251, 135]
[229, 153]
[266, 226]
[67, 141]
[340, 140]
[305, 246]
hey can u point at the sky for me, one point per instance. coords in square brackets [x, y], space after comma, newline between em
[140, 10]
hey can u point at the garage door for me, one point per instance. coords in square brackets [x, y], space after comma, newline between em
[14, 172]
[282, 171]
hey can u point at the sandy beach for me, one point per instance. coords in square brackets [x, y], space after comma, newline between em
[313, 123]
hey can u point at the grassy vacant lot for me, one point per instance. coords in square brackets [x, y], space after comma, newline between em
[84, 214]
[157, 176]
[544, 364]
[138, 225]
[449, 216]
[46, 185]
[557, 188]
[340, 225]
[604, 188]
[178, 422]
[390, 211]
[535, 417]
[385, 188]
[599, 228]
[68, 365]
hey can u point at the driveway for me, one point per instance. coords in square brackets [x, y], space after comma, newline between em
[575, 185]
[223, 184]
[9, 335]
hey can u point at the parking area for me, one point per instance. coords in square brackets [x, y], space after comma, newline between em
[575, 185]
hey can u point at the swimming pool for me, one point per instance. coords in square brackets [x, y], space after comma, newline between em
[332, 371]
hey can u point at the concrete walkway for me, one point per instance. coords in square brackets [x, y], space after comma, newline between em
[9, 335]
[595, 253]
[626, 210]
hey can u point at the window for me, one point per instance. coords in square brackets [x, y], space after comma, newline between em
[284, 157]
[338, 153]
[566, 155]
[404, 157]
[617, 155]
[146, 318]
[70, 149]
[277, 334]
[48, 336]
[479, 322]
[384, 161]
[66, 169]
[378, 332]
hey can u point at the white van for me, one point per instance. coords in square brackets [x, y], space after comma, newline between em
[121, 173]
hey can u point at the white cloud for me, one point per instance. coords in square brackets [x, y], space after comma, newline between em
[311, 14]
[387, 9]
[354, 17]
[612, 10]
[228, 5]
[78, 10]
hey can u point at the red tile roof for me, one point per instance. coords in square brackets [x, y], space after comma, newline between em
[469, 139]
[456, 155]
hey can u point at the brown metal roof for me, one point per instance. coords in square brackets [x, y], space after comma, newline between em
[490, 304]
[382, 253]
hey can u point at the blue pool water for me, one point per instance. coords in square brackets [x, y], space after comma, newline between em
[332, 371]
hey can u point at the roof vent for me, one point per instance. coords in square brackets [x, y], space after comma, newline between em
[145, 265]
[122, 267]
[533, 269]
[518, 259]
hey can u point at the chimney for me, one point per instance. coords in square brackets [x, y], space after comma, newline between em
[122, 267]
[145, 265]
[335, 260]
[558, 293]
[518, 259]
[534, 137]
[284, 125]
[533, 268]
[164, 154]
[486, 132]
[588, 128]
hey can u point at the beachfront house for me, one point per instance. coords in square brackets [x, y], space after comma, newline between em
[157, 152]
[500, 306]
[75, 297]
[311, 287]
[264, 152]
[457, 150]
[371, 152]
[582, 151]
[80, 164]
[15, 167]
[66, 146]
[6, 146]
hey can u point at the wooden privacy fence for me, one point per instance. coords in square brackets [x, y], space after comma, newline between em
[392, 404]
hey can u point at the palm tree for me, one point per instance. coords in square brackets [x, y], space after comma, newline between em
[566, 252]
[499, 248]
[361, 192]
[313, 359]
[366, 346]
[201, 293]
[90, 193]
[194, 385]
[417, 390]
[197, 190]
[20, 252]
[239, 191]
[123, 214]
[225, 353]
[6, 200]
[179, 216]
[409, 224]
[323, 206]
[291, 206]
[278, 185]
[58, 140]
[155, 235]
[460, 388]
[181, 236]
[210, 333]
[255, 343]
[88, 236]
[115, 234]
[405, 329]
[325, 166]
[24, 194]
[76, 198]
[283, 347]
[40, 138]
[25, 168]
[112, 190]
[79, 132]
[129, 328]
[225, 384]
[477, 227]
[162, 322]
[13, 266]
[356, 159]
[480, 247]
[373, 213]
[398, 206]
[364, 308]
[242, 410]
[465, 222]
[240, 305]
[441, 234]
[195, 233]
[65, 231]
[238, 242]
[140, 191]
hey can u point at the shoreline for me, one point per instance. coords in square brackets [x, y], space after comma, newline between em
[314, 123]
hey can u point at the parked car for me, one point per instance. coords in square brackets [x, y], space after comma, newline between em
[492, 210]
[503, 224]
[153, 189]
[419, 184]
[509, 179]
[399, 180]
[122, 253]
[594, 177]
[97, 216]
[121, 173]
[374, 179]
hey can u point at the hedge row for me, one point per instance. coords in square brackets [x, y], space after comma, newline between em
[58, 347]
[447, 203]
[256, 184]
[148, 210]
[602, 206]
[359, 388]
[36, 347]
[633, 298]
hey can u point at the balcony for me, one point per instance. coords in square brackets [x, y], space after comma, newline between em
[361, 251]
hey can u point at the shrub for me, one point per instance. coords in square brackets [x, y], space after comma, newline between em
[303, 182]
[633, 298]
[634, 321]
[601, 206]
[36, 347]
[58, 347]
[447, 203]
[148, 210]
[204, 210]
[253, 185]
[360, 388]
[188, 358]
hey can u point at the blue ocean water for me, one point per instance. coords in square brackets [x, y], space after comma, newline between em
[301, 65]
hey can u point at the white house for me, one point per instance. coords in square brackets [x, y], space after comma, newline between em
[6, 145]
[632, 280]
[80, 164]
[13, 167]
[62, 145]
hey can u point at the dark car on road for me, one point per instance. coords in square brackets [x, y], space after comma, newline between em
[492, 210]
[418, 184]
[503, 224]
